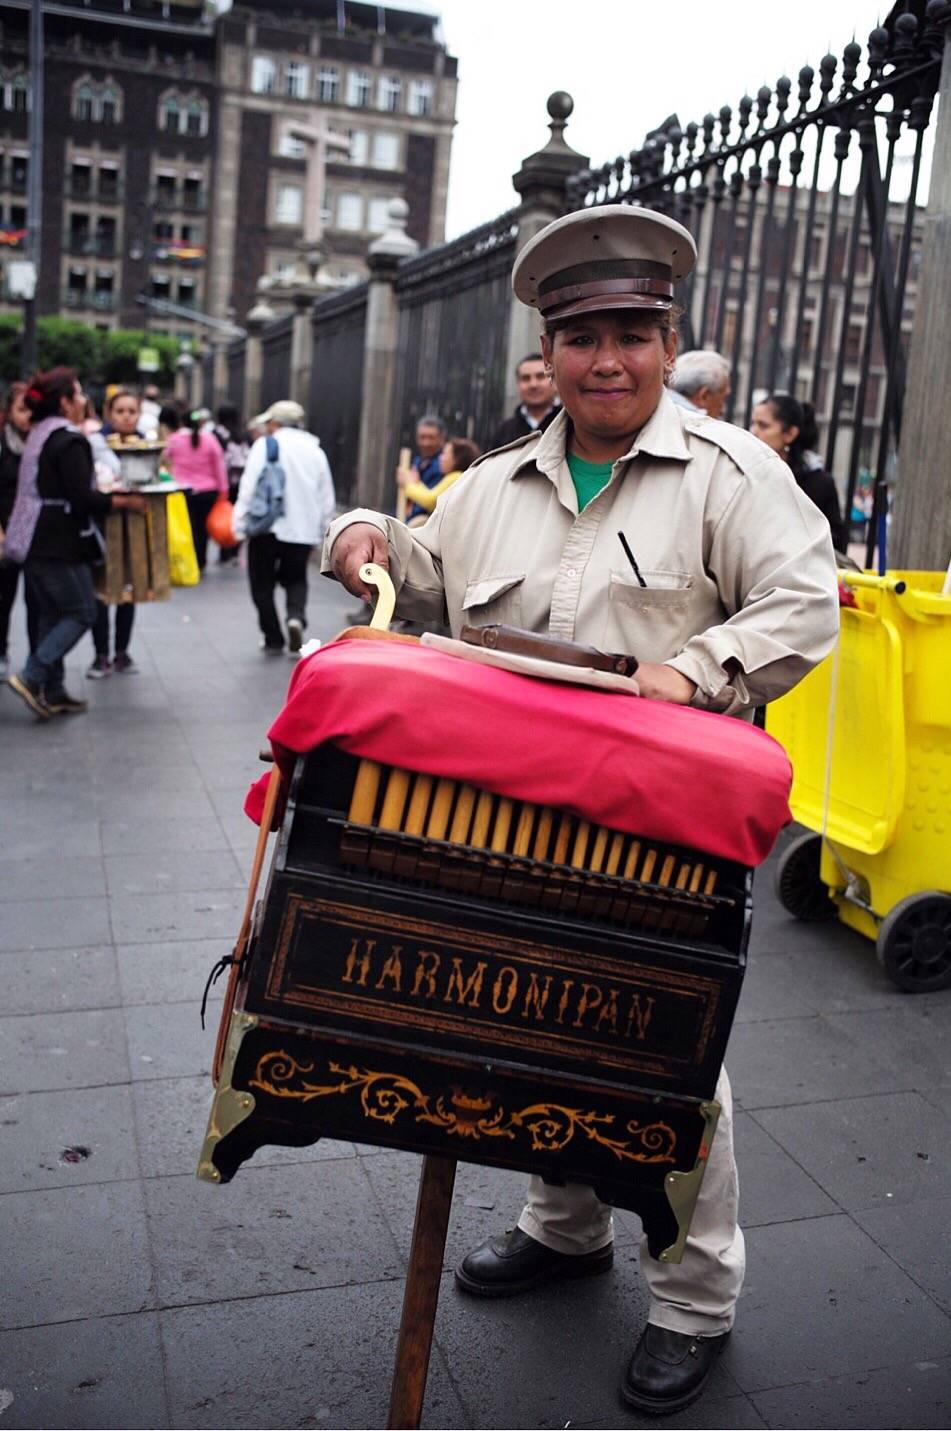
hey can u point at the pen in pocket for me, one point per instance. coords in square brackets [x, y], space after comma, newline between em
[630, 556]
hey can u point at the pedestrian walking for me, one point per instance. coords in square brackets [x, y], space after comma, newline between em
[635, 526]
[14, 430]
[231, 438]
[120, 429]
[195, 460]
[789, 428]
[279, 550]
[52, 532]
[537, 403]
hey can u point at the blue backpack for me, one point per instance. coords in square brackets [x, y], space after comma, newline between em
[267, 500]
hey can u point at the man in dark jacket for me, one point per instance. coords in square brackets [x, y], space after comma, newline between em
[538, 405]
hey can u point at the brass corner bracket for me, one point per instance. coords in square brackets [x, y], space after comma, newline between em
[683, 1189]
[230, 1106]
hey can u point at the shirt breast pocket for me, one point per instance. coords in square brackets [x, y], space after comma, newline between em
[493, 600]
[651, 622]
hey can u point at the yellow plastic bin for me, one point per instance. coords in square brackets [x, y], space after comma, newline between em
[869, 736]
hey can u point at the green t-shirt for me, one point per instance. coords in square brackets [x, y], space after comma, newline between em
[588, 477]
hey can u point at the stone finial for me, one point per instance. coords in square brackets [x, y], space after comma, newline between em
[262, 312]
[394, 242]
[548, 170]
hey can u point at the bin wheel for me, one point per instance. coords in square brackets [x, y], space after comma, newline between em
[914, 942]
[798, 887]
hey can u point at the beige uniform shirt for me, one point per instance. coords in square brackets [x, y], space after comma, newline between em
[740, 591]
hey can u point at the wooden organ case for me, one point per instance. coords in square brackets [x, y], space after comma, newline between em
[442, 970]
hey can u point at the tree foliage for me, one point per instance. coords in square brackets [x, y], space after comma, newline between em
[98, 357]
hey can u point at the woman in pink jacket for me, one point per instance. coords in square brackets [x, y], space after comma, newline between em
[195, 460]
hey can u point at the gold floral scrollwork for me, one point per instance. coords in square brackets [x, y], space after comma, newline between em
[386, 1096]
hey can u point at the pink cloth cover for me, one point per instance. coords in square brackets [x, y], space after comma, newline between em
[667, 772]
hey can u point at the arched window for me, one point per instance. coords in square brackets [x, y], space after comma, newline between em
[84, 101]
[110, 99]
[195, 117]
[170, 114]
[20, 94]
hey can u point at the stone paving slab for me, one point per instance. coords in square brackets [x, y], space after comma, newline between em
[75, 1050]
[915, 1236]
[170, 973]
[81, 1252]
[171, 1116]
[167, 1040]
[30, 924]
[310, 1359]
[822, 1299]
[59, 980]
[275, 1300]
[868, 1152]
[273, 1229]
[908, 1394]
[36, 1129]
[101, 1372]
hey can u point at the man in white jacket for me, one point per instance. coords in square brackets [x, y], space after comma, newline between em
[280, 556]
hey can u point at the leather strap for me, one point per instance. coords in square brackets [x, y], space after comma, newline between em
[244, 933]
[516, 642]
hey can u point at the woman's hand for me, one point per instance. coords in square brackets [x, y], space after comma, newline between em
[356, 545]
[127, 502]
[404, 476]
[664, 683]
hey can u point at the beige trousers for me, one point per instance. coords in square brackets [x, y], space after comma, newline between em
[697, 1295]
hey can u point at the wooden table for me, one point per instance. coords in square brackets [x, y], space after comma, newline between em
[136, 565]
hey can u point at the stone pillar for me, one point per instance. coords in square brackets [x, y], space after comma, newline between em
[302, 349]
[920, 537]
[375, 486]
[541, 185]
[257, 320]
[219, 343]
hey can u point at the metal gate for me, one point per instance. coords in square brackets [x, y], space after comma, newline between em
[807, 217]
[453, 334]
[276, 341]
[336, 383]
[237, 357]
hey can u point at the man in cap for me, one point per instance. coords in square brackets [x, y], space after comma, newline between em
[724, 588]
[280, 554]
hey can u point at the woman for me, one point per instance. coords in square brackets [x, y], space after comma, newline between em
[51, 532]
[14, 430]
[122, 412]
[231, 440]
[632, 528]
[195, 460]
[457, 455]
[789, 428]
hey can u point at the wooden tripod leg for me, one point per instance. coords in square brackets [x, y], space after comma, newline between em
[422, 1293]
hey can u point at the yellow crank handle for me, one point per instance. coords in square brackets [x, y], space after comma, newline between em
[377, 576]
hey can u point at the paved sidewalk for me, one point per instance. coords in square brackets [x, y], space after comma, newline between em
[132, 1295]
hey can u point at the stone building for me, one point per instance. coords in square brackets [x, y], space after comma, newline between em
[168, 169]
[379, 76]
[128, 149]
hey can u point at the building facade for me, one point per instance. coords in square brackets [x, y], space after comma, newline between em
[381, 78]
[168, 171]
[128, 150]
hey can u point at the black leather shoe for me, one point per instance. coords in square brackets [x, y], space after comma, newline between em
[669, 1369]
[513, 1263]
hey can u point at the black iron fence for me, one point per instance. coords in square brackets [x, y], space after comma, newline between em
[208, 379]
[336, 383]
[806, 206]
[276, 345]
[454, 321]
[237, 352]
